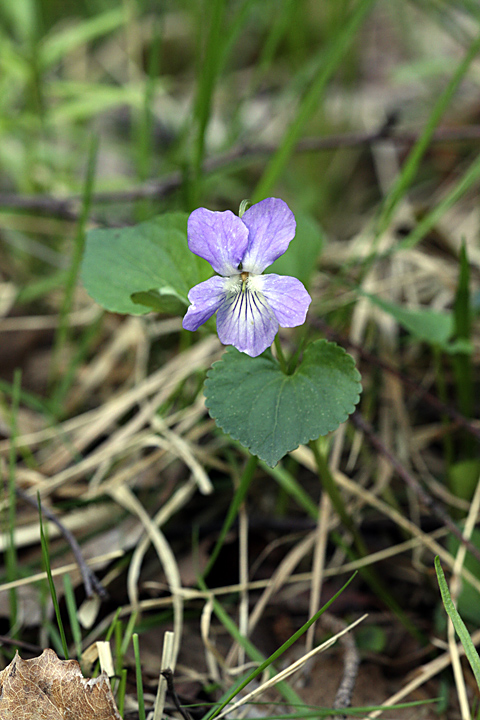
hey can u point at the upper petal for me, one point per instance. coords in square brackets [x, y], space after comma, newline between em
[271, 225]
[219, 237]
[206, 298]
[246, 321]
[287, 297]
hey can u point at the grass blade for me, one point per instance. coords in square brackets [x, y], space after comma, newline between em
[138, 672]
[254, 653]
[412, 163]
[48, 569]
[210, 68]
[460, 627]
[328, 64]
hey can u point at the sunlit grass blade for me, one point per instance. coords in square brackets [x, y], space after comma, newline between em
[256, 655]
[41, 287]
[111, 628]
[328, 63]
[128, 633]
[21, 18]
[329, 712]
[212, 28]
[82, 101]
[117, 628]
[410, 167]
[63, 41]
[460, 627]
[145, 117]
[431, 219]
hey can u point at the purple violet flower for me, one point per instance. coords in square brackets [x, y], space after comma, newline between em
[250, 306]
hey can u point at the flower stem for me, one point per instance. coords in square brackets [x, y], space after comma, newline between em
[280, 356]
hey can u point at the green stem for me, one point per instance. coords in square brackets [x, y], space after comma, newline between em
[138, 673]
[293, 362]
[330, 487]
[280, 356]
[448, 449]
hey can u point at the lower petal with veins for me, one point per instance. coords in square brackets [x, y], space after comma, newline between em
[206, 298]
[246, 321]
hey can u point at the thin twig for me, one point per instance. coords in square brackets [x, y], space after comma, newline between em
[363, 425]
[351, 662]
[90, 581]
[168, 675]
[69, 208]
[5, 640]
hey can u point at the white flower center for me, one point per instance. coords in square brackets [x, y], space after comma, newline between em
[233, 284]
[243, 282]
[255, 283]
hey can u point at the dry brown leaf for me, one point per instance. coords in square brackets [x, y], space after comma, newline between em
[47, 688]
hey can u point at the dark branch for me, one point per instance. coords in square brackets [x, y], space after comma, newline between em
[168, 675]
[90, 580]
[69, 208]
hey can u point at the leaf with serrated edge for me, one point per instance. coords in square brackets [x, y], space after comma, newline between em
[47, 688]
[271, 413]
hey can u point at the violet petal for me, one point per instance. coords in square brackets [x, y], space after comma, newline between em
[221, 238]
[287, 297]
[271, 225]
[206, 298]
[246, 321]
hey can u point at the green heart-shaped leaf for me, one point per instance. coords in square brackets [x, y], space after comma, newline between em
[271, 413]
[134, 269]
